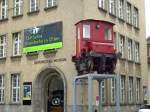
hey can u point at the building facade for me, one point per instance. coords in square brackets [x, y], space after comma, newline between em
[30, 76]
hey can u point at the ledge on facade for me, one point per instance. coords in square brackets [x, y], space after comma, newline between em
[50, 8]
[148, 59]
[113, 15]
[129, 24]
[17, 16]
[13, 103]
[102, 9]
[49, 51]
[33, 12]
[16, 56]
[138, 63]
[123, 59]
[130, 61]
[4, 19]
[32, 53]
[121, 19]
[136, 28]
[2, 58]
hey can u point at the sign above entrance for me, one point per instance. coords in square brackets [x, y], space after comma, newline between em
[43, 37]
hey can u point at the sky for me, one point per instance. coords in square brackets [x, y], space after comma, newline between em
[147, 14]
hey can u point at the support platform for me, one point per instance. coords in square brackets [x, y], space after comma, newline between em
[99, 78]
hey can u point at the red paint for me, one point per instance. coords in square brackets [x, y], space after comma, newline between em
[97, 41]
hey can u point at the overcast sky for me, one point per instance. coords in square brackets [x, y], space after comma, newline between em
[147, 6]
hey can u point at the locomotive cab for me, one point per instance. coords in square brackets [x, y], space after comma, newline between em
[94, 47]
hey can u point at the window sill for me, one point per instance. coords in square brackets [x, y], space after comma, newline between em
[102, 9]
[2, 58]
[2, 103]
[121, 20]
[136, 28]
[33, 12]
[113, 15]
[50, 8]
[123, 59]
[138, 63]
[129, 24]
[49, 51]
[16, 56]
[32, 54]
[4, 19]
[130, 61]
[15, 103]
[17, 16]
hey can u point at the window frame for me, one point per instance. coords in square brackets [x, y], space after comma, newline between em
[121, 9]
[135, 17]
[108, 32]
[113, 89]
[18, 5]
[138, 87]
[122, 89]
[16, 98]
[129, 12]
[18, 42]
[86, 31]
[137, 52]
[122, 45]
[33, 6]
[102, 92]
[3, 8]
[112, 7]
[2, 88]
[3, 46]
[130, 49]
[130, 89]
[51, 3]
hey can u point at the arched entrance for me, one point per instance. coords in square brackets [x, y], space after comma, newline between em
[49, 91]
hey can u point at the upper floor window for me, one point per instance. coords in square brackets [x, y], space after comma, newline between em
[137, 52]
[122, 45]
[17, 44]
[33, 5]
[135, 17]
[15, 86]
[108, 34]
[130, 49]
[18, 7]
[2, 88]
[102, 4]
[128, 11]
[86, 31]
[130, 96]
[121, 8]
[3, 9]
[112, 7]
[2, 46]
[122, 87]
[51, 3]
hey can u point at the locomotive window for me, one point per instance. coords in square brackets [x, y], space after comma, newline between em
[108, 34]
[86, 31]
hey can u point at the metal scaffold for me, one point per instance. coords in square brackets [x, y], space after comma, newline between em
[99, 78]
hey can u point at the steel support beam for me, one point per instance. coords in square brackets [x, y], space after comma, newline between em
[90, 94]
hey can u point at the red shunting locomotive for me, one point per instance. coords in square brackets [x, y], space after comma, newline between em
[94, 47]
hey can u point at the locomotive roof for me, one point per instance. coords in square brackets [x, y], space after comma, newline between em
[85, 20]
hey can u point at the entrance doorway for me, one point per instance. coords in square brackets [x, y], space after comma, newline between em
[55, 94]
[49, 91]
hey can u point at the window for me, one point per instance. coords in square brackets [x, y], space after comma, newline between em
[130, 50]
[121, 8]
[17, 44]
[122, 87]
[113, 89]
[3, 9]
[138, 83]
[33, 5]
[112, 7]
[108, 34]
[1, 88]
[15, 82]
[122, 45]
[51, 3]
[86, 31]
[128, 13]
[130, 90]
[102, 4]
[18, 7]
[137, 52]
[135, 17]
[2, 46]
[102, 90]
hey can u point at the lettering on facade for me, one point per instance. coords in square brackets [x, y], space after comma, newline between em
[49, 60]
